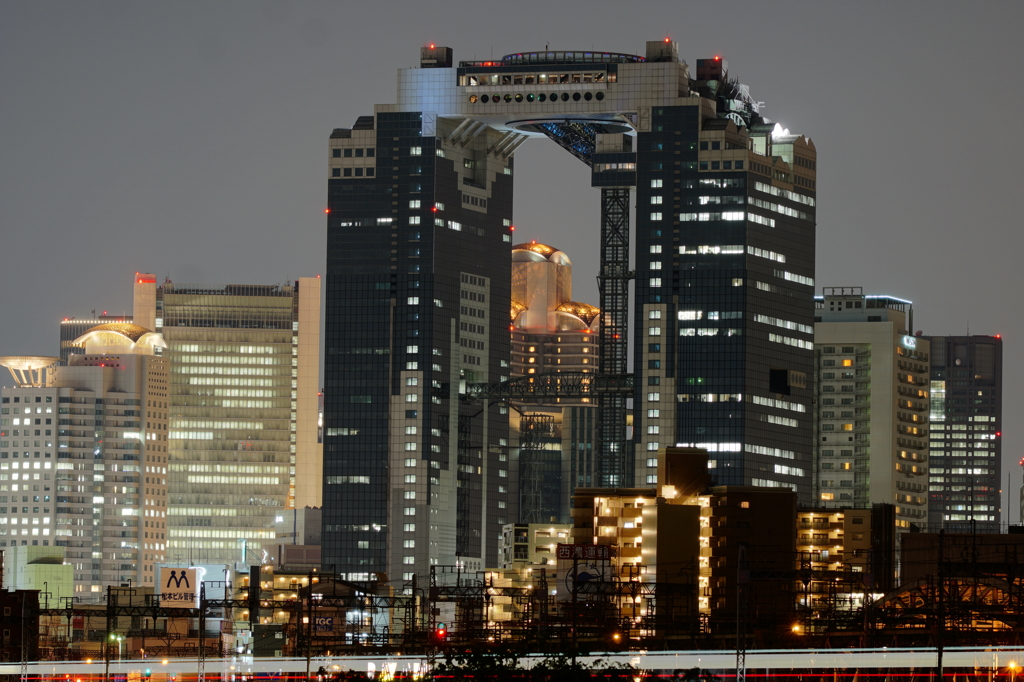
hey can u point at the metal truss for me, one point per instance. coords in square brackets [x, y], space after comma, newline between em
[576, 137]
[534, 431]
[570, 385]
[615, 461]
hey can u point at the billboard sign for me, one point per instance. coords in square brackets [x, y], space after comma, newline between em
[591, 552]
[179, 587]
[322, 624]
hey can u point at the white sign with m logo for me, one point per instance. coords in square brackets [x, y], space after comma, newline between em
[179, 587]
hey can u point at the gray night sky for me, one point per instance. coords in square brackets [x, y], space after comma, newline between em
[189, 139]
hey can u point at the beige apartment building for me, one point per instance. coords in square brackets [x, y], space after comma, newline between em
[871, 407]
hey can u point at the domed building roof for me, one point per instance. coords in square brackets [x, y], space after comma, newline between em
[126, 329]
[584, 311]
[120, 337]
[542, 249]
[534, 251]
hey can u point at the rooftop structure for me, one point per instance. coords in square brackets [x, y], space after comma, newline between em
[73, 327]
[30, 370]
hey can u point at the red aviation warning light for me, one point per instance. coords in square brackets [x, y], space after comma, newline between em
[327, 210]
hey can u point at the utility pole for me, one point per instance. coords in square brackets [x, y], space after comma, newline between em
[309, 619]
[741, 634]
[24, 655]
[940, 605]
[202, 633]
[575, 604]
[110, 633]
[411, 635]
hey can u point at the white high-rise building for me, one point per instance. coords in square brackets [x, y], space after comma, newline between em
[83, 456]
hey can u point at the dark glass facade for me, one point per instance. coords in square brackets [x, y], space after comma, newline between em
[965, 457]
[724, 269]
[418, 279]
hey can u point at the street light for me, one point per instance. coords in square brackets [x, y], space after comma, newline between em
[118, 639]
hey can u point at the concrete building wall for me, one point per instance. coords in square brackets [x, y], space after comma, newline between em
[871, 412]
[129, 532]
[309, 451]
[39, 568]
[89, 474]
[245, 366]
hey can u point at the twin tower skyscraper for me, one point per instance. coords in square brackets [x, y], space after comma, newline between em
[420, 221]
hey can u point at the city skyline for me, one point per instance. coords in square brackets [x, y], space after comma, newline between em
[226, 139]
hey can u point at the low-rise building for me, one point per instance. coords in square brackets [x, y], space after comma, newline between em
[844, 556]
[524, 545]
[685, 534]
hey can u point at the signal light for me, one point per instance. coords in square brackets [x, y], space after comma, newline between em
[441, 632]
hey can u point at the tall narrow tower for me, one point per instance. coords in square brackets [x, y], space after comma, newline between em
[966, 434]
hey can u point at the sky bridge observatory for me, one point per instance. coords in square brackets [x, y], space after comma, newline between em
[715, 290]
